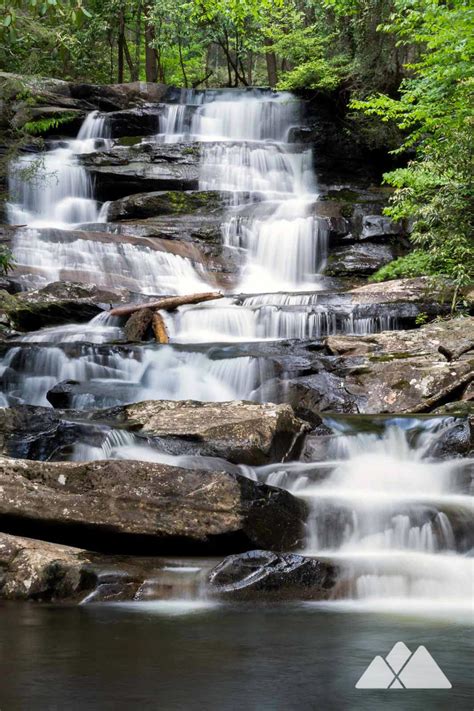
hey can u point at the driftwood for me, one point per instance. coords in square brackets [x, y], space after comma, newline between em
[159, 328]
[138, 324]
[168, 303]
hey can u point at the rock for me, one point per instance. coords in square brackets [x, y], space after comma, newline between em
[377, 226]
[36, 570]
[125, 170]
[241, 432]
[34, 432]
[261, 574]
[101, 393]
[416, 290]
[41, 571]
[138, 325]
[452, 440]
[33, 310]
[359, 259]
[141, 121]
[408, 371]
[118, 96]
[171, 202]
[119, 506]
[322, 392]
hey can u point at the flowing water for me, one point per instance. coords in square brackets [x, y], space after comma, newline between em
[394, 517]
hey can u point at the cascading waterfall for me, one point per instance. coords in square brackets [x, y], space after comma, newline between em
[394, 520]
[245, 148]
[51, 188]
[113, 376]
[51, 192]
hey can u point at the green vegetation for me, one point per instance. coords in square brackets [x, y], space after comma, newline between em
[434, 108]
[402, 67]
[40, 126]
[6, 260]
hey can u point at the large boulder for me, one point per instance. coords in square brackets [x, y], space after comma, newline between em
[171, 202]
[261, 574]
[359, 259]
[55, 304]
[42, 571]
[408, 371]
[239, 431]
[141, 507]
[124, 170]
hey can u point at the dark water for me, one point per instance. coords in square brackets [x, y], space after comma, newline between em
[225, 658]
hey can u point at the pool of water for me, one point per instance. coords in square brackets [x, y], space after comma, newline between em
[196, 655]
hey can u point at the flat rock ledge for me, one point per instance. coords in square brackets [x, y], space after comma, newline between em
[241, 432]
[146, 508]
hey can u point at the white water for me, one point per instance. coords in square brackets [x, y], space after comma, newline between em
[245, 148]
[393, 519]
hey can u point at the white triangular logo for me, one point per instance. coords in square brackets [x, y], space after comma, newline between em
[403, 670]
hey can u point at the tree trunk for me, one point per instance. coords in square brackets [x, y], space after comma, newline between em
[168, 303]
[181, 62]
[120, 47]
[271, 65]
[151, 65]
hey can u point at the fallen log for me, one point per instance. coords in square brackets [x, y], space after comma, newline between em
[168, 303]
[159, 328]
[138, 324]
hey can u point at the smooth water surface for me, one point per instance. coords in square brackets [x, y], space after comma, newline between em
[183, 655]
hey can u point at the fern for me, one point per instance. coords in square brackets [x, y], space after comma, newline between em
[36, 128]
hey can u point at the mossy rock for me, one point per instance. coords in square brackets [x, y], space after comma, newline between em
[19, 313]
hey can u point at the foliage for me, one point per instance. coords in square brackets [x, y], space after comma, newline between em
[435, 191]
[44, 125]
[6, 260]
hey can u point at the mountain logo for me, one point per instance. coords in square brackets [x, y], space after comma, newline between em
[402, 669]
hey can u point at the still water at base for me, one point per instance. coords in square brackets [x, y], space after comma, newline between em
[182, 655]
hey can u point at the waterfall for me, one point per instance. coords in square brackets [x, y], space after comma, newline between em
[113, 376]
[393, 519]
[51, 188]
[246, 148]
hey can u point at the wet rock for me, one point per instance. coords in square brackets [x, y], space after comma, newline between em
[34, 432]
[321, 392]
[175, 203]
[359, 259]
[125, 170]
[56, 304]
[239, 431]
[377, 226]
[66, 394]
[141, 507]
[261, 574]
[118, 96]
[453, 440]
[41, 571]
[140, 121]
[36, 570]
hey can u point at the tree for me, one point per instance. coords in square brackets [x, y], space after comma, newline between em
[435, 191]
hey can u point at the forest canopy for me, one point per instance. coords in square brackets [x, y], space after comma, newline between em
[401, 63]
